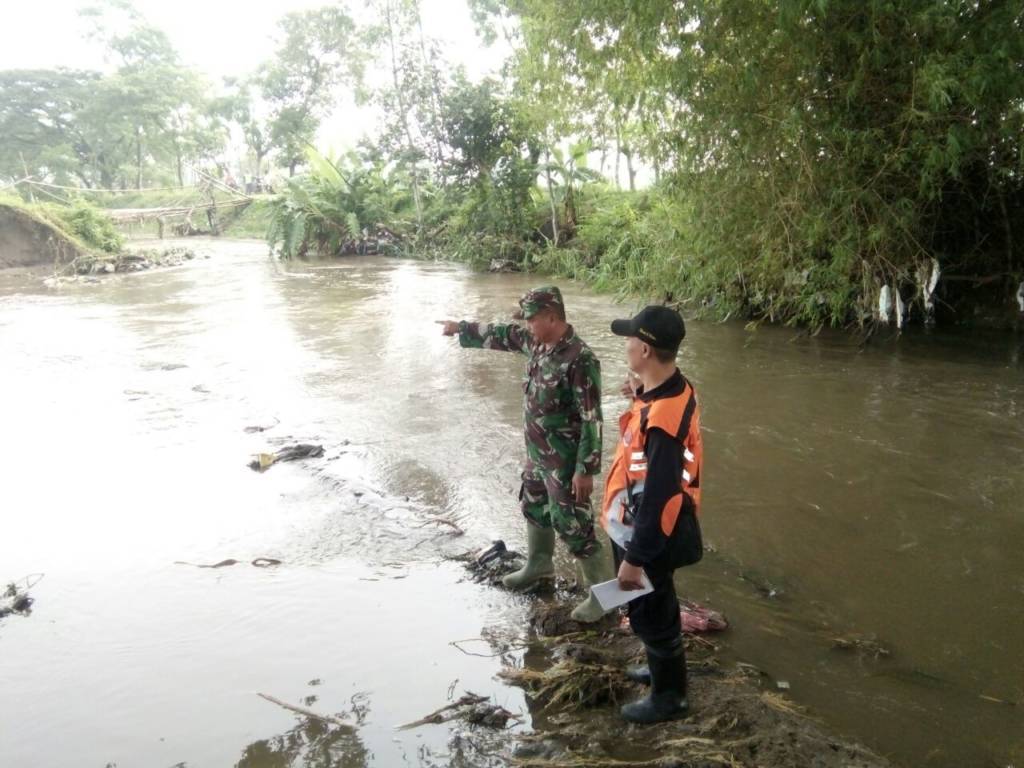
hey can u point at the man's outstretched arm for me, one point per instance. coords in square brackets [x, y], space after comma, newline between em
[499, 336]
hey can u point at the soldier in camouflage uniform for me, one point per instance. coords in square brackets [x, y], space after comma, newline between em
[562, 419]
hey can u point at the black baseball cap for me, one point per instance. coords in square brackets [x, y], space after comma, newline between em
[661, 327]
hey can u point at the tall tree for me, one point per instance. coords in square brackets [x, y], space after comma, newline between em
[820, 148]
[394, 33]
[152, 105]
[316, 53]
[492, 153]
[40, 121]
[242, 106]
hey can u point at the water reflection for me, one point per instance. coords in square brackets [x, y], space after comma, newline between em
[312, 743]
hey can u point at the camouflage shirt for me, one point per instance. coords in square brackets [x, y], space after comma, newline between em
[562, 395]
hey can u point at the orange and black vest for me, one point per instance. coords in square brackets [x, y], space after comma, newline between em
[679, 417]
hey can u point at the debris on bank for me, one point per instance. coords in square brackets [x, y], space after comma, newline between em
[582, 676]
[490, 564]
[90, 266]
[15, 597]
[264, 461]
[256, 428]
[574, 679]
[764, 587]
[575, 684]
[862, 645]
[471, 709]
[259, 562]
[305, 711]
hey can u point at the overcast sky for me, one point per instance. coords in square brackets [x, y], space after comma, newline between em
[221, 38]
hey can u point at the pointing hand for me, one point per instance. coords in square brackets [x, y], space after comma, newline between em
[451, 327]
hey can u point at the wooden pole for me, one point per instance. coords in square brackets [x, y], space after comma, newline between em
[219, 184]
[31, 197]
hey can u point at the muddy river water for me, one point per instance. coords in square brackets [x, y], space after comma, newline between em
[872, 492]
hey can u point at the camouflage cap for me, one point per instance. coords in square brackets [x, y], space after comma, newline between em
[537, 299]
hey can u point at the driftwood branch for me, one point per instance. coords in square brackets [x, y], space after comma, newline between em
[259, 562]
[16, 183]
[442, 521]
[304, 711]
[442, 715]
[457, 645]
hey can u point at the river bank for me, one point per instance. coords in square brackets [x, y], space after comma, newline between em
[29, 240]
[175, 365]
[634, 244]
[73, 242]
[574, 676]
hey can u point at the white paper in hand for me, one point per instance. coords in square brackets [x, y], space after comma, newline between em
[610, 595]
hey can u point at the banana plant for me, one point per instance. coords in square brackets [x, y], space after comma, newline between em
[328, 208]
[569, 169]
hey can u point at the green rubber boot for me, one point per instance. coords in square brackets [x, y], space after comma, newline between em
[596, 568]
[540, 549]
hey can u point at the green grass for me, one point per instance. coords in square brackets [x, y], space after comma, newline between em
[48, 216]
[251, 222]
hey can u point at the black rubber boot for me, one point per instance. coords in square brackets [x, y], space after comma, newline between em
[641, 675]
[667, 699]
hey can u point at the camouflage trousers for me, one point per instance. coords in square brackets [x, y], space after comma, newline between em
[547, 502]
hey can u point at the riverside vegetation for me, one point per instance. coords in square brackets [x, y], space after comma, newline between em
[812, 162]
